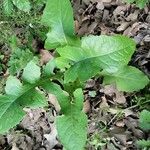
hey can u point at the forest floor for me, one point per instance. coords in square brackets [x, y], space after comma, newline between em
[113, 116]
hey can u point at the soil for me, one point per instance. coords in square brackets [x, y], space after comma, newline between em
[113, 119]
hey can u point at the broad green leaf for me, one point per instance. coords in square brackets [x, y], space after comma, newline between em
[34, 99]
[127, 79]
[31, 72]
[49, 67]
[62, 63]
[58, 15]
[96, 53]
[72, 130]
[7, 7]
[145, 120]
[10, 113]
[23, 5]
[72, 126]
[12, 104]
[13, 86]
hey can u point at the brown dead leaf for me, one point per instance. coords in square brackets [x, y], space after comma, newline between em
[120, 98]
[117, 96]
[14, 147]
[109, 90]
[104, 105]
[52, 137]
[53, 100]
[46, 56]
[123, 26]
[86, 107]
[120, 123]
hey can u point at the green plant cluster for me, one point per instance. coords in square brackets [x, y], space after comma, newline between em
[140, 3]
[144, 122]
[77, 60]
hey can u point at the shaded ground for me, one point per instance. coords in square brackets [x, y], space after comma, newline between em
[113, 116]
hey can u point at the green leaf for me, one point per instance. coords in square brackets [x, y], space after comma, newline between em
[58, 15]
[96, 53]
[8, 7]
[140, 3]
[17, 97]
[34, 99]
[18, 59]
[13, 86]
[62, 96]
[145, 120]
[143, 143]
[62, 63]
[49, 67]
[10, 113]
[31, 72]
[127, 79]
[23, 5]
[72, 131]
[72, 126]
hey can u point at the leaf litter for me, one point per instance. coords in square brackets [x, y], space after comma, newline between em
[112, 126]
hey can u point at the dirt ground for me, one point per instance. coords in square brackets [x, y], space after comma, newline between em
[113, 115]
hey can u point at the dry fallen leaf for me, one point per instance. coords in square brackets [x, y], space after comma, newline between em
[117, 96]
[53, 100]
[52, 137]
[45, 56]
[120, 123]
[86, 107]
[104, 105]
[14, 147]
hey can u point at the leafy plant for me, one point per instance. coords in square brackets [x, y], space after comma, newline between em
[139, 3]
[145, 120]
[145, 125]
[77, 61]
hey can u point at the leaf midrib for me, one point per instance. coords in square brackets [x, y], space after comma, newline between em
[24, 93]
[94, 57]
